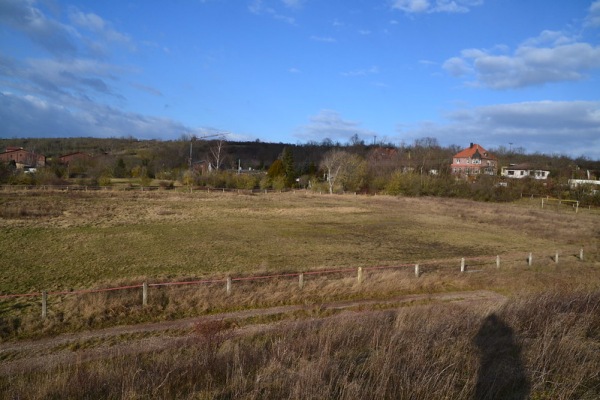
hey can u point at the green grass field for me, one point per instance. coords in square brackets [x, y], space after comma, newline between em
[77, 240]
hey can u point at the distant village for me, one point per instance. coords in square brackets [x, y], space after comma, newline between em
[468, 164]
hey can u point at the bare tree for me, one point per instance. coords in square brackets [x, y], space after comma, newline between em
[344, 169]
[216, 154]
[332, 164]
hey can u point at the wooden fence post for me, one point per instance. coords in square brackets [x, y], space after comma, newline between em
[417, 272]
[556, 258]
[497, 261]
[44, 304]
[228, 285]
[359, 276]
[530, 259]
[581, 254]
[462, 264]
[301, 280]
[145, 294]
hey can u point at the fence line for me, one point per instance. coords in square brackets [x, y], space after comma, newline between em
[465, 262]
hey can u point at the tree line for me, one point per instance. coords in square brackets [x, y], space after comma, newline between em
[419, 169]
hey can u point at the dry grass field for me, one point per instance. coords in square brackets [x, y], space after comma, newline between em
[549, 324]
[64, 240]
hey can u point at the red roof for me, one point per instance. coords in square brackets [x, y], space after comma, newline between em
[471, 150]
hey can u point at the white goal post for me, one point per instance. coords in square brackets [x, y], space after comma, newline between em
[549, 200]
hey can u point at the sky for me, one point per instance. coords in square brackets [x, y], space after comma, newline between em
[511, 73]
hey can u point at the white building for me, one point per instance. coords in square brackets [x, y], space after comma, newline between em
[573, 183]
[524, 171]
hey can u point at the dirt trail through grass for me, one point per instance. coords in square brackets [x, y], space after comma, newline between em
[23, 356]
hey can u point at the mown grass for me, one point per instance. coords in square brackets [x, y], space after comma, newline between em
[100, 237]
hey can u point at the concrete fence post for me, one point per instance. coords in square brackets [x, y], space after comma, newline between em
[145, 294]
[581, 254]
[497, 261]
[462, 264]
[301, 280]
[44, 304]
[228, 285]
[530, 259]
[417, 271]
[359, 276]
[556, 258]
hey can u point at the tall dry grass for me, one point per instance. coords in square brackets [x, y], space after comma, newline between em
[540, 347]
[76, 312]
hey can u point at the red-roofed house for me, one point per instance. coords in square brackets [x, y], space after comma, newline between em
[22, 158]
[474, 160]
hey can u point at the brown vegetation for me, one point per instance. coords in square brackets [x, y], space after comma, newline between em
[545, 346]
[546, 338]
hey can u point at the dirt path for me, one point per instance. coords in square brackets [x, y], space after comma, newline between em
[22, 356]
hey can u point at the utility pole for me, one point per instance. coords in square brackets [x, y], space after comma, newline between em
[190, 160]
[194, 137]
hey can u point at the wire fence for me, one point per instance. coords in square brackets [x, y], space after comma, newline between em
[122, 188]
[467, 264]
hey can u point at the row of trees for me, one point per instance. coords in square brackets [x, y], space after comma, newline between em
[422, 168]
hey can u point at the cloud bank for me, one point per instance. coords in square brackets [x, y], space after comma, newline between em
[552, 127]
[329, 124]
[437, 6]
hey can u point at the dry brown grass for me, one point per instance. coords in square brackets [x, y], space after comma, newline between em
[544, 347]
[104, 239]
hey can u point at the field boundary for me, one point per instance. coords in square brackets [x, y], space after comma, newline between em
[467, 264]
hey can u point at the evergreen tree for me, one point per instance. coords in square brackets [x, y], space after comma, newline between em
[287, 158]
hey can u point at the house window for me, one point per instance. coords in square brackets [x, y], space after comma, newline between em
[511, 173]
[522, 173]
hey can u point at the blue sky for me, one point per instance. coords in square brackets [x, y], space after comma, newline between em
[493, 72]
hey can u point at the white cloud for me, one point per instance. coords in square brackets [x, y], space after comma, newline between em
[435, 6]
[293, 4]
[21, 15]
[551, 127]
[76, 77]
[456, 66]
[330, 124]
[99, 26]
[259, 7]
[148, 89]
[325, 39]
[412, 6]
[593, 17]
[550, 57]
[45, 119]
[361, 72]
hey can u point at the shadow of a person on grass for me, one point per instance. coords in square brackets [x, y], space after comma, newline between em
[501, 372]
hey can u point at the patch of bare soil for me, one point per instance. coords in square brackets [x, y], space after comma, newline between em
[24, 356]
